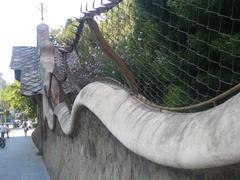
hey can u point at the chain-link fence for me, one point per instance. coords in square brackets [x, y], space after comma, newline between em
[179, 52]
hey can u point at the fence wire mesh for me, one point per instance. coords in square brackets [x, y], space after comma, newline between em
[180, 52]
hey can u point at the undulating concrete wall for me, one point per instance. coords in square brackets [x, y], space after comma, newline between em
[92, 153]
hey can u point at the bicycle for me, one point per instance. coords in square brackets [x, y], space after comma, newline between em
[2, 142]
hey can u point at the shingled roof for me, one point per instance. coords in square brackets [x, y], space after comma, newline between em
[26, 64]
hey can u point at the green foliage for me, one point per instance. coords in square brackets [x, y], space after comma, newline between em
[188, 9]
[181, 51]
[229, 44]
[211, 56]
[64, 35]
[176, 96]
[11, 94]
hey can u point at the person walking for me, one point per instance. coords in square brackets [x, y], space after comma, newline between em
[2, 130]
[25, 128]
[7, 129]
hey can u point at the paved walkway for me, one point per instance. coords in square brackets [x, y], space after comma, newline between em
[19, 159]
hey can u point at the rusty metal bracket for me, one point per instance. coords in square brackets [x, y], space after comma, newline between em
[117, 60]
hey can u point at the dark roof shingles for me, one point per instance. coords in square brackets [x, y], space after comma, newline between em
[26, 59]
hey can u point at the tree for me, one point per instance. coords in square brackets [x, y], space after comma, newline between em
[181, 52]
[23, 104]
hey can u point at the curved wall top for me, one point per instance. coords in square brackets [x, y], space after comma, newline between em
[182, 140]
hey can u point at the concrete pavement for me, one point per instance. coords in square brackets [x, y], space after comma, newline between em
[19, 159]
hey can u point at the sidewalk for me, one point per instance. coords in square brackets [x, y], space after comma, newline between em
[19, 159]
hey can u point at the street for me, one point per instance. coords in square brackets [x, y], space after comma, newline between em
[19, 159]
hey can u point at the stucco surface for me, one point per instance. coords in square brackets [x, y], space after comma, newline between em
[181, 140]
[91, 152]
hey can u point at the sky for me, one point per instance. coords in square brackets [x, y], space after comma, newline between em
[18, 22]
